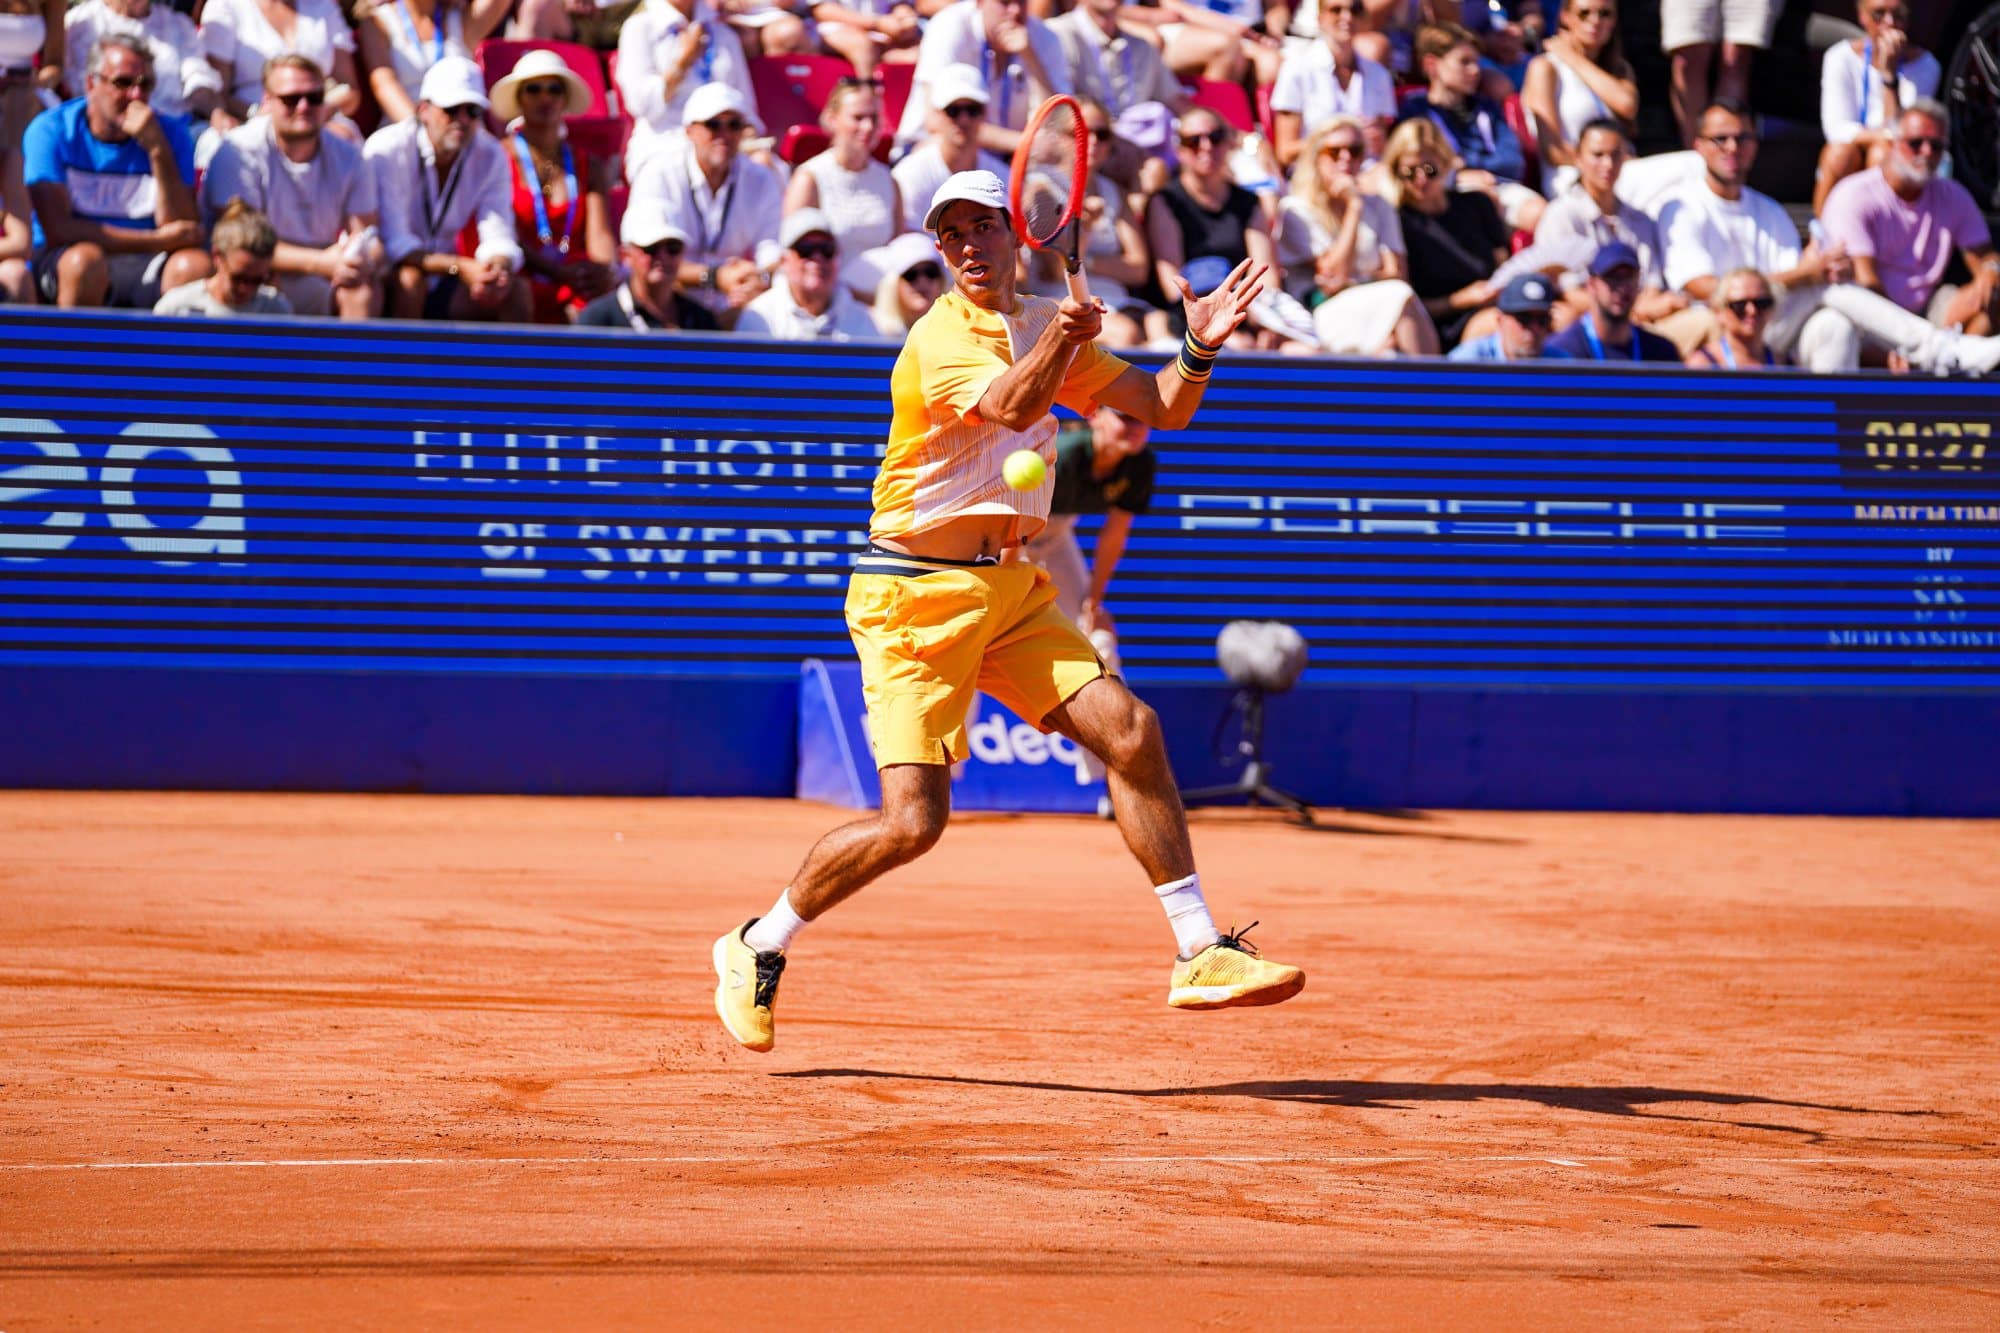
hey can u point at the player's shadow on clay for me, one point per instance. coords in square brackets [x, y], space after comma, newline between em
[1636, 1102]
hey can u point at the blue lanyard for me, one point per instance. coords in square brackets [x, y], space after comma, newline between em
[704, 67]
[1867, 75]
[1589, 325]
[1729, 353]
[987, 57]
[543, 231]
[416, 39]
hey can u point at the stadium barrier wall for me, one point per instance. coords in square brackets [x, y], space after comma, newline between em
[394, 557]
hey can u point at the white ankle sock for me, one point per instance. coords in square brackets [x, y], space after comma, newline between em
[773, 931]
[1187, 913]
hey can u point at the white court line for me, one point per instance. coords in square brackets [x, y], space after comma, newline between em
[947, 1158]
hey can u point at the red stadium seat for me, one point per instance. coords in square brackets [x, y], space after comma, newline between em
[897, 80]
[1517, 121]
[602, 137]
[791, 89]
[497, 56]
[801, 143]
[611, 93]
[1227, 100]
[1266, 118]
[615, 200]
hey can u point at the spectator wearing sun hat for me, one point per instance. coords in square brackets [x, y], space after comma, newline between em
[729, 205]
[561, 218]
[1524, 307]
[435, 174]
[649, 299]
[808, 302]
[667, 52]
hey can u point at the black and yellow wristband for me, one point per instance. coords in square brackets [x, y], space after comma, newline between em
[1196, 360]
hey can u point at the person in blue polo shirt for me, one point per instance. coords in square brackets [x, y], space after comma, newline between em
[1524, 323]
[1607, 332]
[113, 189]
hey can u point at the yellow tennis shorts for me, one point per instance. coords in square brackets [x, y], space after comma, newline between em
[931, 634]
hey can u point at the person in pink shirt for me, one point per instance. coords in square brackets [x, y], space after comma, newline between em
[1901, 223]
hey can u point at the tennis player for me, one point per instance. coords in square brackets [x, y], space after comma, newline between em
[942, 604]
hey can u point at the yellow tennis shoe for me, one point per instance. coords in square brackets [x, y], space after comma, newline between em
[746, 985]
[1228, 973]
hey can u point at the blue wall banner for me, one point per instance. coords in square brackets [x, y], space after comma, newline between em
[314, 499]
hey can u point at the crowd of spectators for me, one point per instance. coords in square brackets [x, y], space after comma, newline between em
[1437, 178]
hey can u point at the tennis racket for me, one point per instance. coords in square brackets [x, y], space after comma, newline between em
[1050, 180]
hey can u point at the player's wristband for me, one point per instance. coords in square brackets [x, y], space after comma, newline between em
[1196, 360]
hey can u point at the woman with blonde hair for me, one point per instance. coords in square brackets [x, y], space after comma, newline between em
[846, 182]
[1454, 238]
[1342, 251]
[1743, 304]
[913, 277]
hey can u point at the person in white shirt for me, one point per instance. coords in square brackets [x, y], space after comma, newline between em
[846, 181]
[316, 188]
[1719, 224]
[809, 303]
[1115, 68]
[1863, 87]
[1580, 77]
[1020, 59]
[955, 119]
[434, 174]
[401, 39]
[242, 244]
[187, 85]
[1321, 80]
[238, 36]
[728, 203]
[666, 51]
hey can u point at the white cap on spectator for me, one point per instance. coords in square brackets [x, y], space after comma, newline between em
[454, 81]
[899, 256]
[977, 187]
[959, 83]
[803, 222]
[716, 99]
[646, 227]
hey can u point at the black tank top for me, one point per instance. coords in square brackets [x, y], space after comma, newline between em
[1205, 232]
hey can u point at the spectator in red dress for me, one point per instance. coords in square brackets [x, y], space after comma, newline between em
[559, 190]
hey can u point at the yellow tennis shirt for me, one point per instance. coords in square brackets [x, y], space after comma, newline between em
[942, 461]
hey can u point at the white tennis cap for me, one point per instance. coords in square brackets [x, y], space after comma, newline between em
[958, 83]
[716, 99]
[647, 226]
[976, 187]
[803, 222]
[454, 81]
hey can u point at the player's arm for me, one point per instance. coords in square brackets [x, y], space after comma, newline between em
[1022, 394]
[1168, 400]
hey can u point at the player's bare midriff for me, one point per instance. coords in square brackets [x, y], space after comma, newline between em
[966, 538]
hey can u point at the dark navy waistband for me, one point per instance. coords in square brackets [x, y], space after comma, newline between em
[881, 560]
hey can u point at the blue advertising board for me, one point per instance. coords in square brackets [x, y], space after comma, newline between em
[445, 501]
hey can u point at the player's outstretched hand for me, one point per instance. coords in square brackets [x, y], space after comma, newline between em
[1081, 321]
[1214, 317]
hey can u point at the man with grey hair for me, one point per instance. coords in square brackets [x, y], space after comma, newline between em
[188, 84]
[113, 188]
[1901, 223]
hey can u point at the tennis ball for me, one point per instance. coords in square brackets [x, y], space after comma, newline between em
[1024, 469]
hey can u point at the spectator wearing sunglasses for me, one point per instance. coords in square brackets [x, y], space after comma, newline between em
[1580, 78]
[913, 277]
[650, 298]
[133, 230]
[1864, 85]
[314, 187]
[1342, 251]
[1605, 333]
[809, 302]
[1743, 305]
[1203, 224]
[1021, 60]
[1522, 327]
[953, 145]
[238, 37]
[561, 218]
[242, 244]
[438, 176]
[729, 204]
[845, 181]
[1455, 239]
[187, 84]
[1321, 80]
[1902, 222]
[401, 39]
[1488, 152]
[667, 51]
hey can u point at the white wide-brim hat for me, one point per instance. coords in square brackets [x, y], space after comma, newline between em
[540, 64]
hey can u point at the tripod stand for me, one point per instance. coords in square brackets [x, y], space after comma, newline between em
[1253, 785]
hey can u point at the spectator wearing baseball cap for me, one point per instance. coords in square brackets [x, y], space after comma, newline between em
[435, 174]
[668, 51]
[808, 303]
[1524, 308]
[729, 205]
[650, 298]
[1606, 332]
[958, 109]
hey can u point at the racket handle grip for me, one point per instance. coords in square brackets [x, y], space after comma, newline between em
[1078, 288]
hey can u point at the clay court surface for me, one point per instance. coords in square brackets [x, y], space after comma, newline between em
[401, 1061]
